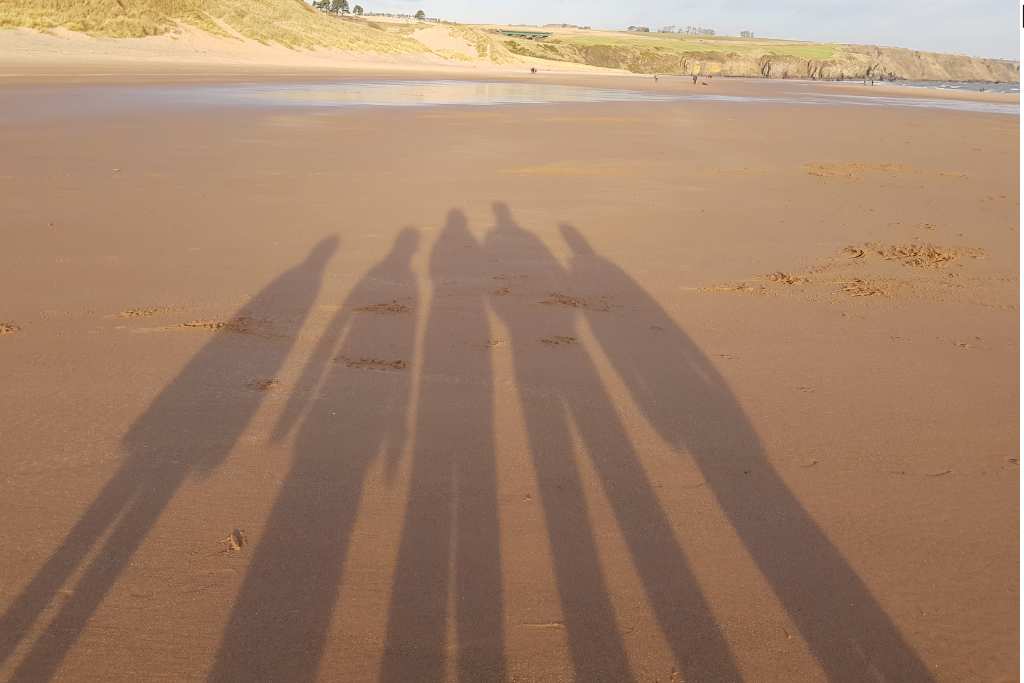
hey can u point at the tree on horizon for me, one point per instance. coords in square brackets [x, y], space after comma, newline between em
[357, 10]
[421, 15]
[333, 6]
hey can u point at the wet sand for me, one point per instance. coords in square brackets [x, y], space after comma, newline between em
[618, 391]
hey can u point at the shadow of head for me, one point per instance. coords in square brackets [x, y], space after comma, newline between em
[320, 254]
[405, 245]
[576, 241]
[455, 237]
[503, 217]
[456, 220]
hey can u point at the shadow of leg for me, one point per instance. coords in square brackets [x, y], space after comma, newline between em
[595, 643]
[452, 515]
[280, 622]
[672, 589]
[692, 407]
[192, 425]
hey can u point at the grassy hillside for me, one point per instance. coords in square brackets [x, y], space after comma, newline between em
[288, 22]
[294, 24]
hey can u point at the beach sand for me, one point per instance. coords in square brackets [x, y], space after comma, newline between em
[649, 391]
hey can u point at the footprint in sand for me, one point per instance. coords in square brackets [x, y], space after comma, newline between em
[234, 541]
[556, 299]
[241, 324]
[558, 340]
[921, 255]
[372, 363]
[263, 384]
[964, 345]
[785, 278]
[143, 311]
[857, 171]
[858, 287]
[741, 287]
[853, 171]
[393, 307]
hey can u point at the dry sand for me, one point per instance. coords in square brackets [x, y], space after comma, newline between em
[639, 391]
[33, 54]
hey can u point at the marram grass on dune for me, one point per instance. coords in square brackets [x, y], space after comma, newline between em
[288, 22]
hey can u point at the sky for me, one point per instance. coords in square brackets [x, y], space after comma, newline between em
[981, 28]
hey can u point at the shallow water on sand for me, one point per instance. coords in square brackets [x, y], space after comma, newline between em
[484, 93]
[969, 86]
[74, 101]
[432, 93]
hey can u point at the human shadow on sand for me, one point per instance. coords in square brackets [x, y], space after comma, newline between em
[561, 389]
[352, 398]
[449, 551]
[190, 427]
[691, 406]
[450, 538]
[349, 411]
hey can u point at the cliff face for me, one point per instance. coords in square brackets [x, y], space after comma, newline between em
[847, 61]
[891, 63]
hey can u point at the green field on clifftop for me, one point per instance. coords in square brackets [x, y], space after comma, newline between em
[684, 43]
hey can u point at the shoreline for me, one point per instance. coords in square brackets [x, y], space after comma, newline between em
[156, 73]
[191, 55]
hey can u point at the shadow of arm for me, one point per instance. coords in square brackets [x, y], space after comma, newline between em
[311, 376]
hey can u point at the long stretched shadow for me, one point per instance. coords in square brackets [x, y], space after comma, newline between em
[559, 386]
[191, 426]
[354, 392]
[452, 513]
[691, 406]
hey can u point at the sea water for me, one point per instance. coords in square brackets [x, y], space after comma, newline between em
[82, 100]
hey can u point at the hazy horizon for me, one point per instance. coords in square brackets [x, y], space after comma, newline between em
[984, 28]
